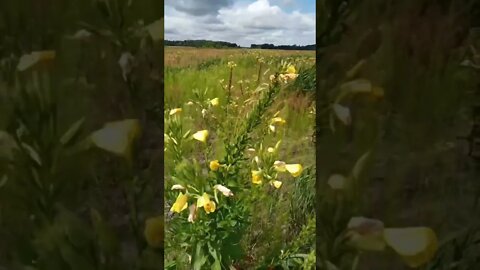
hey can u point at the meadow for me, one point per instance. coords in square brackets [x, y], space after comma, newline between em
[242, 119]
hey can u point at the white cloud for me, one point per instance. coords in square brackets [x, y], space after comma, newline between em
[243, 23]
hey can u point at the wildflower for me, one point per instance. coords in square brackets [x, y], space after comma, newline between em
[224, 190]
[201, 135]
[180, 204]
[257, 177]
[192, 215]
[214, 165]
[205, 202]
[177, 186]
[277, 184]
[28, 61]
[117, 137]
[278, 121]
[231, 64]
[214, 102]
[270, 150]
[294, 169]
[190, 103]
[272, 77]
[154, 232]
[366, 234]
[343, 113]
[272, 128]
[416, 245]
[175, 111]
[291, 69]
[279, 166]
[337, 181]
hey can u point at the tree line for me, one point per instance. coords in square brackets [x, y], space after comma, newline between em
[223, 44]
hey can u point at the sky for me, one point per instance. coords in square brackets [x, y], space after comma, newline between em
[245, 22]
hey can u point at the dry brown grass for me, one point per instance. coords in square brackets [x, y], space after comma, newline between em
[177, 56]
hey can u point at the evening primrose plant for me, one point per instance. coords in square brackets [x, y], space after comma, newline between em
[219, 169]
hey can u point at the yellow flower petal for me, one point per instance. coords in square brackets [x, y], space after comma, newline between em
[28, 61]
[201, 135]
[202, 200]
[154, 231]
[279, 166]
[117, 137]
[277, 184]
[175, 111]
[291, 69]
[210, 207]
[180, 204]
[214, 102]
[277, 121]
[416, 245]
[214, 165]
[270, 150]
[257, 177]
[294, 169]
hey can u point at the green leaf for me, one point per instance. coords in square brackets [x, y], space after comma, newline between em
[199, 259]
[72, 132]
[359, 165]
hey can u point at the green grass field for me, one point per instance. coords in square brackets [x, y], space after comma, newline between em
[267, 233]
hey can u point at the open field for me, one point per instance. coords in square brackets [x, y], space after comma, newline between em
[229, 93]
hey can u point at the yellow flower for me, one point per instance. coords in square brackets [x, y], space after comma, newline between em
[209, 207]
[214, 165]
[279, 166]
[366, 234]
[180, 204]
[277, 184]
[154, 231]
[294, 169]
[277, 121]
[271, 150]
[231, 64]
[205, 202]
[201, 135]
[214, 102]
[192, 213]
[416, 245]
[175, 111]
[257, 177]
[291, 69]
[272, 128]
[224, 190]
[117, 137]
[33, 59]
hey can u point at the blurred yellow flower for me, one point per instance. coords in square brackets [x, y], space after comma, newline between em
[279, 166]
[215, 102]
[201, 135]
[205, 202]
[231, 64]
[117, 137]
[277, 184]
[257, 177]
[224, 190]
[277, 121]
[416, 245]
[180, 204]
[366, 234]
[291, 69]
[154, 231]
[175, 111]
[294, 169]
[214, 165]
[271, 150]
